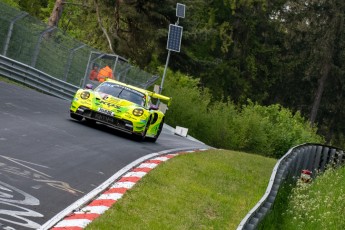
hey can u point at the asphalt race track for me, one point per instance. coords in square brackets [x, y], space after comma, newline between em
[48, 161]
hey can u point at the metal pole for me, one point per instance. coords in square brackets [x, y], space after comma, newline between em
[10, 30]
[123, 73]
[114, 68]
[70, 57]
[37, 48]
[83, 83]
[88, 67]
[165, 71]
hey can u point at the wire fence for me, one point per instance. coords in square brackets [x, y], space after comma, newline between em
[48, 49]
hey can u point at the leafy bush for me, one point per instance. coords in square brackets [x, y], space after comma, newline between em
[190, 104]
[279, 129]
[266, 130]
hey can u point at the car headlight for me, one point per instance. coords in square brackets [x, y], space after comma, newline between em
[138, 112]
[85, 95]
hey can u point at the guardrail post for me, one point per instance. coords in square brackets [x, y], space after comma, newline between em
[293, 167]
[324, 158]
[10, 31]
[306, 152]
[37, 48]
[298, 162]
[332, 156]
[340, 157]
[316, 165]
[311, 158]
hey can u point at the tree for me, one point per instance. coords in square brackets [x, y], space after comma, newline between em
[330, 28]
[315, 40]
[236, 50]
[316, 24]
[56, 13]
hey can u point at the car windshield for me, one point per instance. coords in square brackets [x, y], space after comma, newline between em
[122, 92]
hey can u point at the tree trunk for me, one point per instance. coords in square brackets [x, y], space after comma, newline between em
[336, 23]
[317, 100]
[117, 18]
[102, 27]
[56, 13]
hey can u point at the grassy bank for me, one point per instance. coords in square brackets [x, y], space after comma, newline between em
[316, 205]
[208, 190]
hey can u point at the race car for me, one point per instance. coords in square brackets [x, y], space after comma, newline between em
[121, 106]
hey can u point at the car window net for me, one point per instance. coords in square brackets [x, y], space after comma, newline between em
[110, 89]
[133, 97]
[122, 92]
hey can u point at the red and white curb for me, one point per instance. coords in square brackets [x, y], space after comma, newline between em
[79, 219]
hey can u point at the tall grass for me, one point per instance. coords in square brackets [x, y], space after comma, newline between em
[316, 205]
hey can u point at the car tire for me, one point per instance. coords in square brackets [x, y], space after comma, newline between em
[141, 137]
[76, 116]
[154, 139]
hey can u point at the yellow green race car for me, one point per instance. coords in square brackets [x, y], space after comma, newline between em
[121, 106]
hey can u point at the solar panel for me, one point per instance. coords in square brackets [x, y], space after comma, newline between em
[180, 10]
[174, 37]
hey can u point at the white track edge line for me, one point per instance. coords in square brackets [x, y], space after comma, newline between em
[82, 201]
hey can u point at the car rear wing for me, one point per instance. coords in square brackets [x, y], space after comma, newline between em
[163, 98]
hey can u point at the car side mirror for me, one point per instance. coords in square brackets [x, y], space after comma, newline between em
[153, 107]
[88, 86]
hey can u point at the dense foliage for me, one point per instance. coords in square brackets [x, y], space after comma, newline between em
[287, 52]
[267, 130]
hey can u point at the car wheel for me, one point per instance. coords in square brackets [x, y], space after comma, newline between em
[154, 139]
[76, 116]
[141, 137]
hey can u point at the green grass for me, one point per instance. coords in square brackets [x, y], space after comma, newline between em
[316, 205]
[7, 80]
[273, 219]
[206, 190]
[17, 83]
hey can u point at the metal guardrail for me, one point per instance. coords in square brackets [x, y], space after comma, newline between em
[37, 79]
[313, 157]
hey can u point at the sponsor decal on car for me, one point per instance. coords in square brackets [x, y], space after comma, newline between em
[110, 104]
[107, 112]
